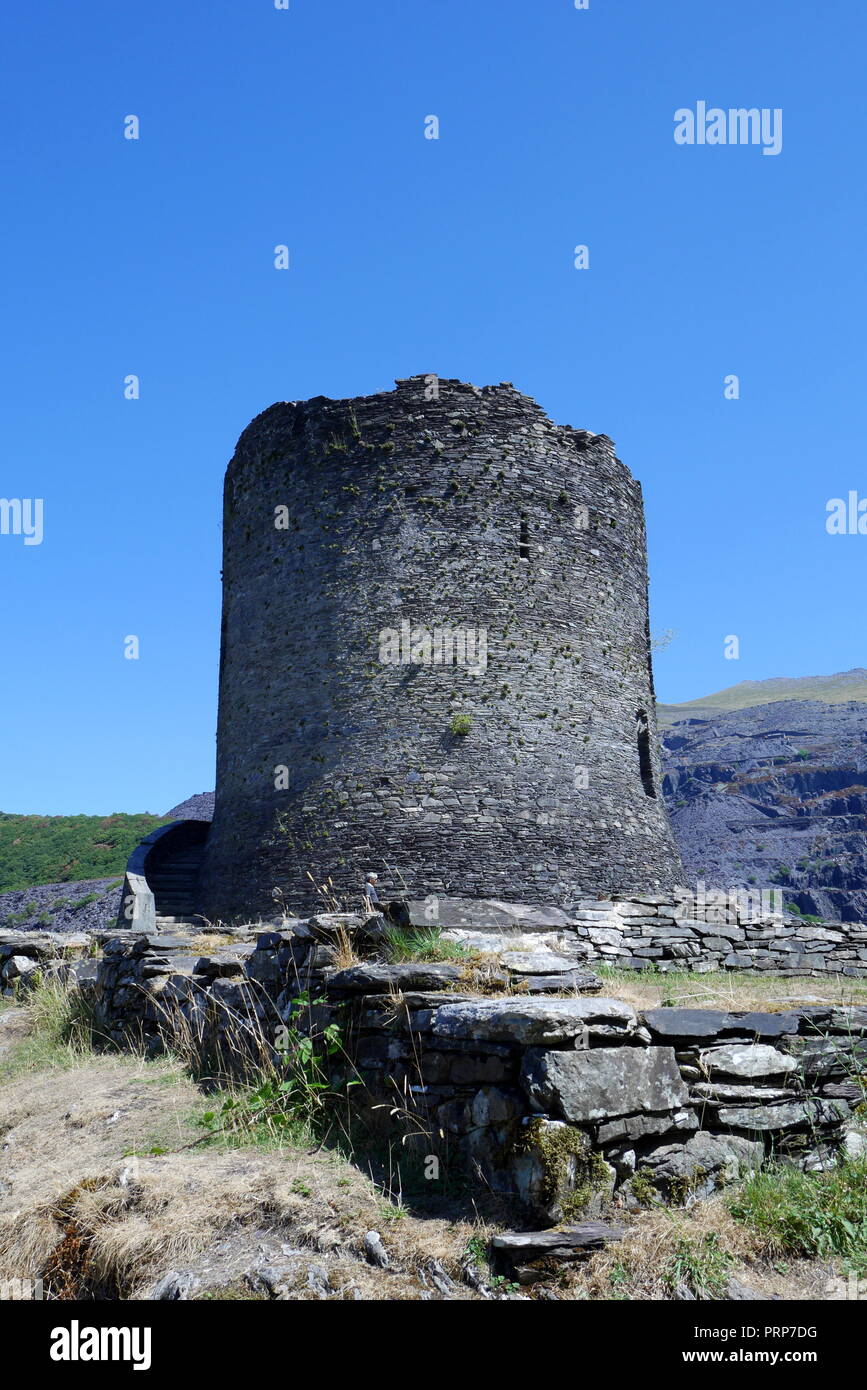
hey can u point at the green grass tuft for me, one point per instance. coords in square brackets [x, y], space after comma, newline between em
[820, 1214]
[699, 1262]
[62, 1033]
[405, 944]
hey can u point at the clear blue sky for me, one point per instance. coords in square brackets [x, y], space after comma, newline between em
[409, 255]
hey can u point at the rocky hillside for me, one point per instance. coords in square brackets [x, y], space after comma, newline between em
[66, 907]
[775, 795]
[830, 690]
[198, 807]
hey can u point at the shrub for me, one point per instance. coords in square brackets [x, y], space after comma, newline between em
[460, 724]
[67, 849]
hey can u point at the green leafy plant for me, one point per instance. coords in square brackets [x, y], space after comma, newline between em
[291, 1097]
[701, 1263]
[460, 724]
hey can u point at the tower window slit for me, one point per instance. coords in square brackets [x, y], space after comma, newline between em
[524, 543]
[645, 762]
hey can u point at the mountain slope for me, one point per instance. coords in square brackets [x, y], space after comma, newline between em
[830, 690]
[775, 794]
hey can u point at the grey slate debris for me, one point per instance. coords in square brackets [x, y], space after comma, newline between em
[731, 778]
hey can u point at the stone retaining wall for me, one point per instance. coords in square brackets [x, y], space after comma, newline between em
[554, 1098]
[26, 957]
[655, 932]
[663, 933]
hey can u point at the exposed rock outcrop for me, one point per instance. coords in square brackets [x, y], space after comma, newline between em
[775, 794]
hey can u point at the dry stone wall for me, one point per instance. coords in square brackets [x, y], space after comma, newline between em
[656, 934]
[699, 933]
[556, 1099]
[28, 957]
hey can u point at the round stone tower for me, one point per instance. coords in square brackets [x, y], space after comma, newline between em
[435, 657]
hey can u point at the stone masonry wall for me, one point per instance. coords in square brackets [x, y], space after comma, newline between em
[551, 1094]
[663, 934]
[471, 511]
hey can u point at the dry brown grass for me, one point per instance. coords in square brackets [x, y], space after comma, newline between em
[730, 990]
[206, 943]
[84, 1203]
[169, 1210]
[343, 953]
[640, 1268]
[65, 1127]
[644, 1258]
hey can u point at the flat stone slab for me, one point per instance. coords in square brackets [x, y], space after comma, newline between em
[604, 1082]
[165, 965]
[536, 962]
[487, 914]
[218, 965]
[557, 942]
[419, 999]
[155, 941]
[807, 1114]
[534, 1021]
[747, 1062]
[382, 979]
[569, 1243]
[708, 1024]
[830, 1019]
[729, 1094]
[17, 943]
[581, 981]
[634, 1128]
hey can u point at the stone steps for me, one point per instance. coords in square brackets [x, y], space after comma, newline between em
[173, 924]
[174, 883]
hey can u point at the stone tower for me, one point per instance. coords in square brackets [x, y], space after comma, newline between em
[435, 657]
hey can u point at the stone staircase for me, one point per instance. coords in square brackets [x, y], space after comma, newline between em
[173, 881]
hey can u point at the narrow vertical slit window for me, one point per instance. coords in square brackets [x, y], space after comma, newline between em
[524, 542]
[645, 762]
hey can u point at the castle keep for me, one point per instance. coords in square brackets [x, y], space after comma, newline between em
[435, 657]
